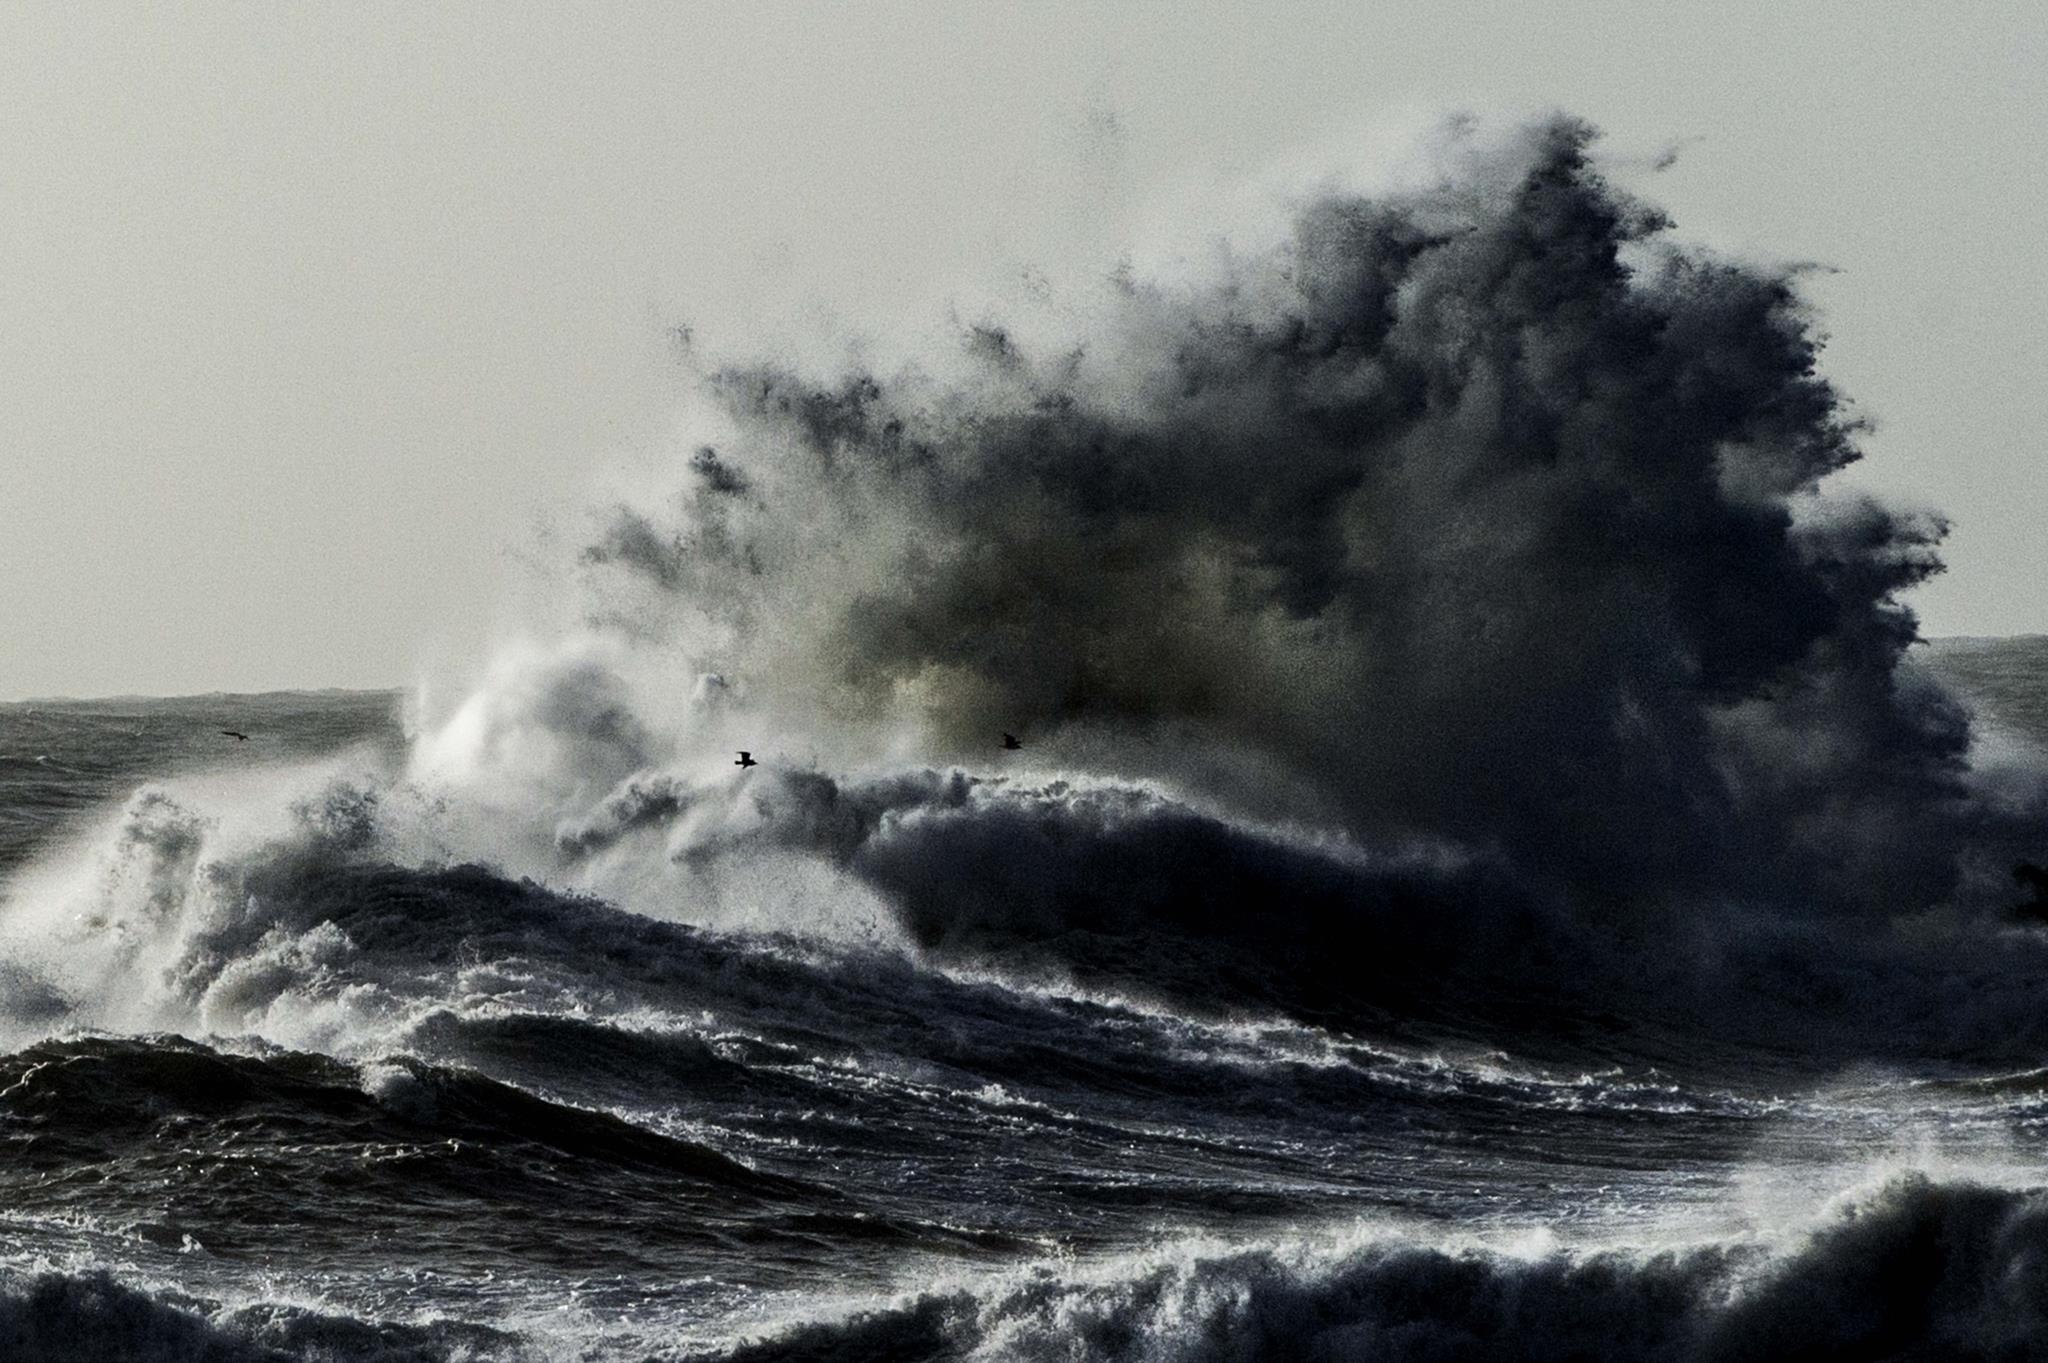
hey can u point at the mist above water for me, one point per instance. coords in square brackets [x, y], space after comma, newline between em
[1479, 519]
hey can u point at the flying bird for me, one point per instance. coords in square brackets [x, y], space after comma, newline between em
[746, 759]
[1010, 743]
[240, 737]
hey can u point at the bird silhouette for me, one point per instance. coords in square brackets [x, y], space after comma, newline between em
[241, 737]
[1010, 743]
[746, 759]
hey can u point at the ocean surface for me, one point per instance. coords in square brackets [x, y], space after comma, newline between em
[1488, 872]
[290, 1097]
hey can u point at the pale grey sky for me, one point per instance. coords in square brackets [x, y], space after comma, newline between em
[309, 313]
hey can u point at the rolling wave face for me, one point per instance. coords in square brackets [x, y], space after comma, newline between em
[60, 1318]
[1911, 1270]
[408, 1158]
[305, 934]
[1916, 1270]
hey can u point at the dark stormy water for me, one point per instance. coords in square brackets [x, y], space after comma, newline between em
[1487, 872]
[268, 1095]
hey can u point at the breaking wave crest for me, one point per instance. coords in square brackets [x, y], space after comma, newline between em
[1913, 1270]
[1479, 514]
[327, 921]
[1448, 598]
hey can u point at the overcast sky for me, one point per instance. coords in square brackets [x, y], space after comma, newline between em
[310, 314]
